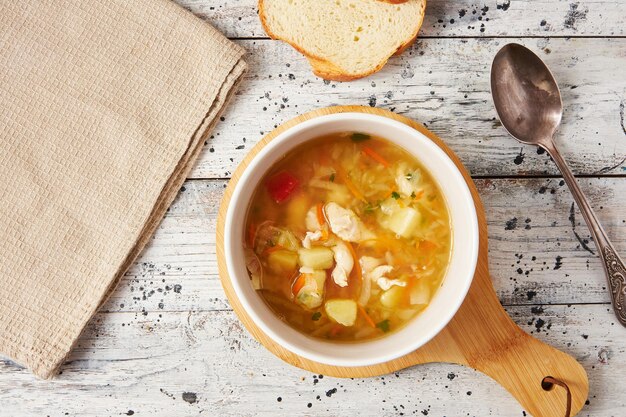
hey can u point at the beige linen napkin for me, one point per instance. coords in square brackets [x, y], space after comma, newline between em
[104, 105]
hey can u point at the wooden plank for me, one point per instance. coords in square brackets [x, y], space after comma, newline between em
[535, 257]
[443, 83]
[192, 363]
[239, 19]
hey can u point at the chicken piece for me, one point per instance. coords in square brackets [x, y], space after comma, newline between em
[368, 264]
[345, 224]
[378, 275]
[343, 264]
[386, 283]
[311, 237]
[313, 226]
[374, 270]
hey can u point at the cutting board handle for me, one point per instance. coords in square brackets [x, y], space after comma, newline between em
[486, 339]
[524, 378]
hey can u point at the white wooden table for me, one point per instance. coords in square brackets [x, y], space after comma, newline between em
[167, 342]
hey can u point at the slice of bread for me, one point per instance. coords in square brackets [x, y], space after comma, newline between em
[344, 39]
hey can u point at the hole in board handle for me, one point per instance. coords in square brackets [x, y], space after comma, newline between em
[548, 382]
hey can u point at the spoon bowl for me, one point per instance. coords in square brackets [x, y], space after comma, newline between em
[525, 94]
[528, 102]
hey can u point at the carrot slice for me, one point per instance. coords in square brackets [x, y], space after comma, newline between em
[388, 244]
[355, 191]
[388, 195]
[366, 316]
[427, 245]
[320, 214]
[410, 284]
[356, 261]
[375, 156]
[298, 284]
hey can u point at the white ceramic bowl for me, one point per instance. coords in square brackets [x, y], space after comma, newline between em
[446, 300]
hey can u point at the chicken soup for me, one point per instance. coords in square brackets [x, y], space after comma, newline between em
[347, 237]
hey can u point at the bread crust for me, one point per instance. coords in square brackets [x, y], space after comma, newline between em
[326, 69]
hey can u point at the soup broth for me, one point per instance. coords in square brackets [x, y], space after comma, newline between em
[347, 238]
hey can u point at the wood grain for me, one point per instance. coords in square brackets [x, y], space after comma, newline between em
[444, 18]
[443, 83]
[481, 335]
[128, 361]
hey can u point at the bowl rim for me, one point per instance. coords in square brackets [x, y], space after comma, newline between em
[231, 217]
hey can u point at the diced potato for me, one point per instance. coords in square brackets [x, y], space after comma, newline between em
[318, 257]
[420, 293]
[392, 297]
[404, 221]
[288, 240]
[282, 261]
[406, 313]
[342, 311]
[297, 207]
[312, 294]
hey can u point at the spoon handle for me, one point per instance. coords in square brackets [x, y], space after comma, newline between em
[613, 265]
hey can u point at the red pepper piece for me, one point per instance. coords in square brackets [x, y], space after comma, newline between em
[281, 186]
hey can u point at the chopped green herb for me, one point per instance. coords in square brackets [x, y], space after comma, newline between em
[413, 194]
[360, 137]
[316, 316]
[395, 195]
[332, 177]
[384, 326]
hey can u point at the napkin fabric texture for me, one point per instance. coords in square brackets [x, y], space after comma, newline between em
[104, 105]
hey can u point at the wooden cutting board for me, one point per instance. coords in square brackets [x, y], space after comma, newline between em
[481, 335]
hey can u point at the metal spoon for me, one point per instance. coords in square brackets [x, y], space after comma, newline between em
[529, 105]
